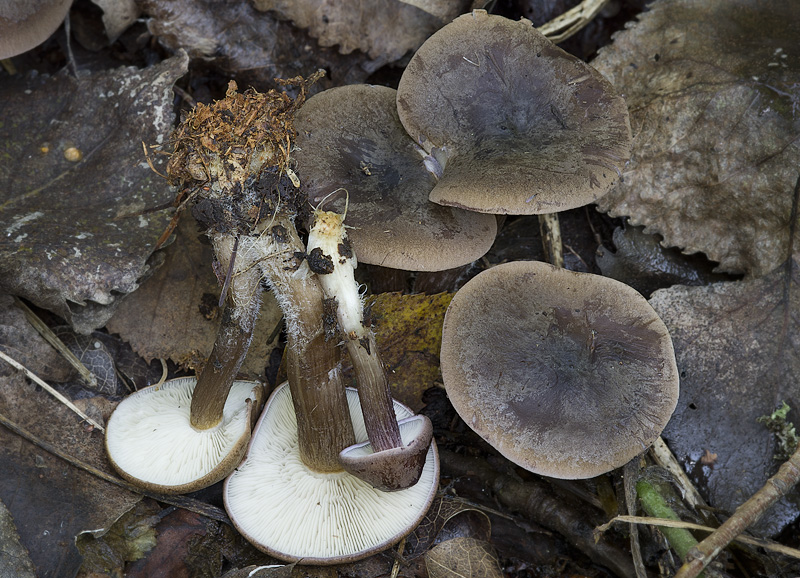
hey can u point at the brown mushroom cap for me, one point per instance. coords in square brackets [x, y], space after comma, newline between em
[519, 126]
[397, 468]
[351, 138]
[24, 24]
[567, 374]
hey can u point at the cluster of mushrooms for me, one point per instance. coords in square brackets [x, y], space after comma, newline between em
[489, 118]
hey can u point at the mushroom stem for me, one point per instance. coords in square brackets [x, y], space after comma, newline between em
[330, 256]
[313, 364]
[233, 337]
[393, 463]
[374, 393]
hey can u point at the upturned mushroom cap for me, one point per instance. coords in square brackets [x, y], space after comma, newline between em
[151, 443]
[292, 513]
[24, 24]
[567, 374]
[518, 125]
[395, 468]
[351, 138]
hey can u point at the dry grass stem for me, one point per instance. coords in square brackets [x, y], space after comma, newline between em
[15, 364]
[572, 21]
[664, 522]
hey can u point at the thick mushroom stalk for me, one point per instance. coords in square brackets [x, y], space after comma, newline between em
[236, 154]
[234, 336]
[313, 364]
[394, 463]
[187, 434]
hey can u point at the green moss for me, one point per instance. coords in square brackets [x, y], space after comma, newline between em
[783, 430]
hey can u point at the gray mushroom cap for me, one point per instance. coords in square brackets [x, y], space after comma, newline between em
[518, 125]
[396, 468]
[351, 138]
[567, 374]
[24, 24]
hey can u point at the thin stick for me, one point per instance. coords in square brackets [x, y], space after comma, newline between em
[667, 523]
[745, 515]
[399, 554]
[8, 65]
[572, 21]
[551, 238]
[184, 502]
[50, 390]
[53, 340]
[630, 473]
[667, 460]
[150, 162]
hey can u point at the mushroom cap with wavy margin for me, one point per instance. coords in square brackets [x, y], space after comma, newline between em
[351, 138]
[151, 442]
[566, 374]
[26, 24]
[518, 125]
[293, 513]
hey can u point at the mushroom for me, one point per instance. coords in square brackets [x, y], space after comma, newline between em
[390, 463]
[296, 514]
[151, 443]
[230, 158]
[516, 125]
[233, 158]
[566, 374]
[26, 24]
[350, 139]
[189, 433]
[293, 457]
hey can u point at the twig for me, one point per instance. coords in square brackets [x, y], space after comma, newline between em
[551, 238]
[53, 340]
[664, 457]
[184, 502]
[571, 21]
[778, 485]
[8, 65]
[745, 515]
[535, 500]
[666, 523]
[630, 473]
[655, 505]
[396, 565]
[71, 57]
[13, 363]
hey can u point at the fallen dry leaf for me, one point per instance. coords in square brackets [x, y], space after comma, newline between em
[738, 351]
[117, 16]
[51, 500]
[463, 557]
[130, 538]
[447, 518]
[254, 46]
[19, 340]
[384, 29]
[408, 329]
[174, 314]
[75, 190]
[713, 90]
[14, 557]
[188, 545]
[643, 263]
